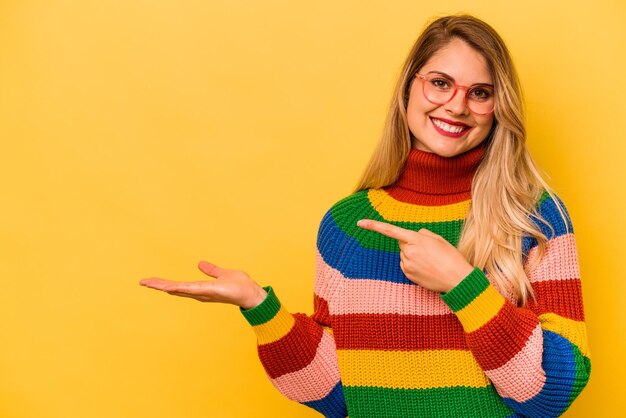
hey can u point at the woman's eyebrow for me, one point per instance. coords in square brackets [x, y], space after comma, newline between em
[449, 77]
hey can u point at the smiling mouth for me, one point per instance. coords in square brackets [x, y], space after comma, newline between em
[454, 129]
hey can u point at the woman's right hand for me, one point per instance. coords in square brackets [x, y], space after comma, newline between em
[230, 286]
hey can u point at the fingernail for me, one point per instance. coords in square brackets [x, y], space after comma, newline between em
[361, 223]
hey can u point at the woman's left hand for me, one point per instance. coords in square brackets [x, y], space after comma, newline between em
[426, 258]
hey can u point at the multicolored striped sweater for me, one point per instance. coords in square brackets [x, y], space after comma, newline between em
[378, 345]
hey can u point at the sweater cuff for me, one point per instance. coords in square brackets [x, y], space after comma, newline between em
[474, 301]
[264, 311]
[270, 320]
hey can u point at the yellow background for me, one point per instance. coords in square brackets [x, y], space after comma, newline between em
[139, 137]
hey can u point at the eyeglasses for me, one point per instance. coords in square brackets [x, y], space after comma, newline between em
[439, 89]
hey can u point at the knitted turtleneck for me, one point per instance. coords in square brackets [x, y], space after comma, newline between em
[378, 345]
[429, 179]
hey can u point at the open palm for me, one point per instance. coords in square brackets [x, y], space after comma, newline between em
[230, 286]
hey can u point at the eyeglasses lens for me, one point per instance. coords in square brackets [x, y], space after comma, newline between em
[440, 90]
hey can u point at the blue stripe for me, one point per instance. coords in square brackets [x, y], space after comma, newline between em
[559, 364]
[557, 226]
[548, 209]
[345, 254]
[332, 405]
[528, 243]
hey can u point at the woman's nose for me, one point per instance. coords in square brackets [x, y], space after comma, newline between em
[457, 104]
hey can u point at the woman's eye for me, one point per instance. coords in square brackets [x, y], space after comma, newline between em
[440, 83]
[480, 93]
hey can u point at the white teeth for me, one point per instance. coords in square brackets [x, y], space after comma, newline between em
[447, 127]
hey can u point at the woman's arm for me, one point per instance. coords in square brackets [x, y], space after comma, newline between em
[298, 352]
[537, 357]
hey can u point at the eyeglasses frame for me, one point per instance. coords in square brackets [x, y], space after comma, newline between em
[457, 87]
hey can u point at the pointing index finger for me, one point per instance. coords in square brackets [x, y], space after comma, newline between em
[386, 229]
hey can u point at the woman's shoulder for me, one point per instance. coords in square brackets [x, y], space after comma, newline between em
[344, 213]
[351, 202]
[551, 215]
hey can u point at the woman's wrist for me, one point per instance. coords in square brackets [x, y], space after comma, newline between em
[459, 274]
[256, 299]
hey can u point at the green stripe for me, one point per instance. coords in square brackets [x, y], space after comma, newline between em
[583, 370]
[545, 195]
[438, 402]
[265, 312]
[356, 207]
[465, 292]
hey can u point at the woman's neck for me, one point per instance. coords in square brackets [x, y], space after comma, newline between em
[429, 179]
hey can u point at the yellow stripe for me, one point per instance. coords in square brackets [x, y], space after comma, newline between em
[410, 369]
[395, 211]
[484, 307]
[573, 331]
[276, 328]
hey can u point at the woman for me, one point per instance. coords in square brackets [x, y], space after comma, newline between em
[448, 284]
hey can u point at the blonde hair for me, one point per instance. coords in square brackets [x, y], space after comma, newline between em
[507, 183]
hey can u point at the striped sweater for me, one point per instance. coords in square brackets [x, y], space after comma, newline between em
[378, 345]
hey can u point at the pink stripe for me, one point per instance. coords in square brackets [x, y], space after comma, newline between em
[381, 297]
[522, 377]
[326, 279]
[374, 296]
[377, 296]
[560, 261]
[316, 380]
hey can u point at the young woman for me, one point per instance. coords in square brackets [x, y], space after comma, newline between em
[448, 285]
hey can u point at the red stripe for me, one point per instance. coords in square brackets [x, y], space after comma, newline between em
[500, 339]
[398, 332]
[562, 297]
[321, 314]
[410, 196]
[294, 351]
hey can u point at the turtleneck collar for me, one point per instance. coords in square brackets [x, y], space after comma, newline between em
[429, 179]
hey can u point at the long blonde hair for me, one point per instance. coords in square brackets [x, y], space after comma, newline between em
[507, 183]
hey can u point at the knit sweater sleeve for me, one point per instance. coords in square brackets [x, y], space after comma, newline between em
[298, 351]
[537, 357]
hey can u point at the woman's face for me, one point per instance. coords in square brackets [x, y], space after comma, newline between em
[435, 128]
